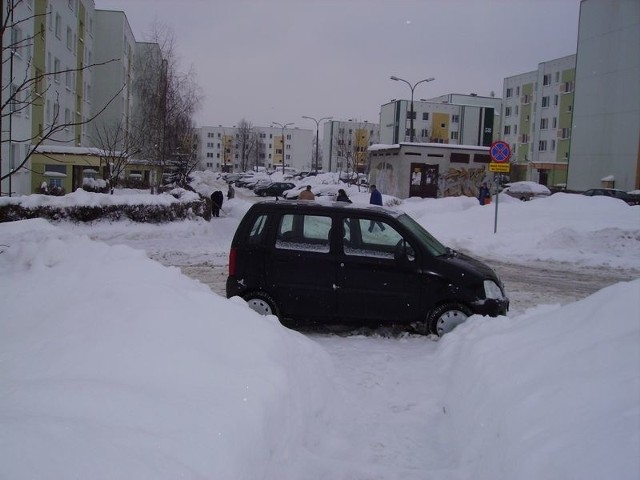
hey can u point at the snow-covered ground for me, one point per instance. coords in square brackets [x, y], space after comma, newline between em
[113, 365]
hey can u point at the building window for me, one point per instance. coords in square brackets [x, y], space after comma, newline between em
[509, 93]
[555, 100]
[553, 145]
[507, 111]
[557, 77]
[545, 102]
[518, 90]
[526, 99]
[425, 116]
[546, 80]
[454, 135]
[410, 115]
[455, 118]
[58, 27]
[544, 123]
[565, 133]
[424, 133]
[566, 87]
[507, 130]
[554, 122]
[542, 146]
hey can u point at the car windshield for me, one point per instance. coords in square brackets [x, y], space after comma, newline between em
[434, 247]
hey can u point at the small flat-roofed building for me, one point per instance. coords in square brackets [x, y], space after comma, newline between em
[429, 170]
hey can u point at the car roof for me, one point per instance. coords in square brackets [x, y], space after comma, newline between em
[312, 206]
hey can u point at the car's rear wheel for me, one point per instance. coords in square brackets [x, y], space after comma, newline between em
[262, 303]
[446, 317]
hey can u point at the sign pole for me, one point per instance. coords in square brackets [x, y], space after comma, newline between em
[500, 152]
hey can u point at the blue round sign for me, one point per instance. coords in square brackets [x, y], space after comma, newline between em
[500, 151]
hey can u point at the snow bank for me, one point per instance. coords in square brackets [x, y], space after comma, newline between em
[552, 394]
[114, 366]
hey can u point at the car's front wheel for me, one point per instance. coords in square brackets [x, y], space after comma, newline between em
[446, 317]
[262, 303]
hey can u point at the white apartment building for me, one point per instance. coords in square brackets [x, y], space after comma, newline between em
[113, 87]
[221, 148]
[605, 140]
[345, 145]
[536, 121]
[451, 119]
[17, 58]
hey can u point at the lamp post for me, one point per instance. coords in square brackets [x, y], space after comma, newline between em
[283, 127]
[412, 87]
[317, 135]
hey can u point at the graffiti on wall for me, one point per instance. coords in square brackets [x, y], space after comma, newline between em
[386, 178]
[463, 181]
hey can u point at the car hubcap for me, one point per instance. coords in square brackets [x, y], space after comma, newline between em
[260, 306]
[449, 320]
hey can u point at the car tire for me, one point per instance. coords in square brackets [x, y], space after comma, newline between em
[262, 303]
[446, 317]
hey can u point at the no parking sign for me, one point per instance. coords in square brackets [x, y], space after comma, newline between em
[500, 152]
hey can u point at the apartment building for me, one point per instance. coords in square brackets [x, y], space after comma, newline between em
[345, 145]
[112, 90]
[59, 47]
[232, 149]
[450, 119]
[50, 42]
[16, 118]
[605, 139]
[537, 110]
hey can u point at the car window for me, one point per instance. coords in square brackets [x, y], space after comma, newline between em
[257, 230]
[369, 238]
[304, 232]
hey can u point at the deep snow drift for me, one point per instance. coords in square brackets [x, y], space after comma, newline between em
[114, 366]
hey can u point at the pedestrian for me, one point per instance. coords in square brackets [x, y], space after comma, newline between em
[307, 194]
[375, 199]
[216, 202]
[231, 193]
[342, 196]
[376, 196]
[484, 195]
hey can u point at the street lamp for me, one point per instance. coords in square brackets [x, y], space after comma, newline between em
[317, 134]
[283, 127]
[412, 87]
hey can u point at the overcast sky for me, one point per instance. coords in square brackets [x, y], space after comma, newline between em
[277, 60]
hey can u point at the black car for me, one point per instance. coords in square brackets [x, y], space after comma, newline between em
[615, 193]
[338, 263]
[274, 189]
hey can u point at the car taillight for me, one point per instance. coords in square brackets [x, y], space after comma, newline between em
[232, 262]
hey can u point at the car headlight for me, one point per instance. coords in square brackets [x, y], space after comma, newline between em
[492, 290]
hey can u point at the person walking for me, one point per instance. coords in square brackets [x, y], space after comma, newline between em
[376, 196]
[231, 193]
[484, 195]
[216, 203]
[343, 197]
[307, 194]
[375, 199]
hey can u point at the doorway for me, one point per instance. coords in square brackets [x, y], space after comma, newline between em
[424, 180]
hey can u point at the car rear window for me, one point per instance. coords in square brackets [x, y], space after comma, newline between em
[304, 232]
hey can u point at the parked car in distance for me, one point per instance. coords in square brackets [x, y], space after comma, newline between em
[526, 190]
[274, 189]
[343, 264]
[615, 193]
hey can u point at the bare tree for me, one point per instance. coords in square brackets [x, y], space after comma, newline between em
[245, 143]
[117, 147]
[167, 101]
[29, 87]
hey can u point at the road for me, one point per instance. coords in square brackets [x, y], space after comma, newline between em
[527, 285]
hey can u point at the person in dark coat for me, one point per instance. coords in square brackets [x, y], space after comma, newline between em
[484, 195]
[376, 196]
[375, 199]
[216, 202]
[342, 196]
[231, 193]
